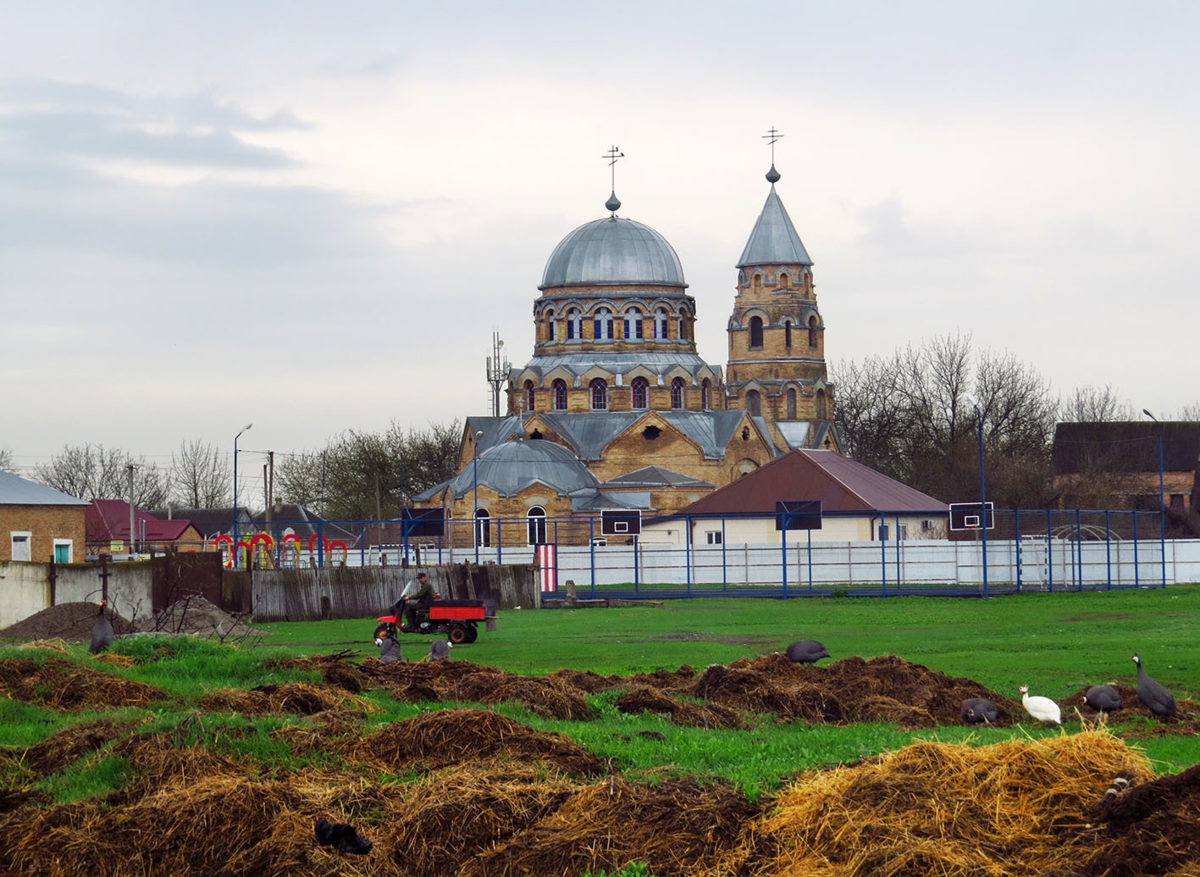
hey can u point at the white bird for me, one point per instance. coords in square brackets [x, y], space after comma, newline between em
[1041, 708]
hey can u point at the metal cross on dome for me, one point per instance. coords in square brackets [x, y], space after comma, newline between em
[773, 136]
[613, 155]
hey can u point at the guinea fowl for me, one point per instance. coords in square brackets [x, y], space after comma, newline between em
[1154, 696]
[979, 710]
[806, 651]
[1102, 698]
[389, 649]
[439, 650]
[102, 631]
[1041, 708]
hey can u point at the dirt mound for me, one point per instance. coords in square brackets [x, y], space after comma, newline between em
[196, 616]
[536, 694]
[445, 737]
[677, 828]
[585, 681]
[885, 689]
[938, 808]
[64, 685]
[669, 680]
[60, 749]
[1154, 828]
[652, 700]
[68, 621]
[290, 697]
[1130, 705]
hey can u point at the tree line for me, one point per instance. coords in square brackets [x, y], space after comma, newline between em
[358, 475]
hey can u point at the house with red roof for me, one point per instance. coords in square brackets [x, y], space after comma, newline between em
[107, 526]
[855, 501]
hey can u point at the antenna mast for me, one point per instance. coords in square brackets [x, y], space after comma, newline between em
[497, 371]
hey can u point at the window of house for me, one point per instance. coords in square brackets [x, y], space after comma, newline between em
[21, 548]
[633, 323]
[640, 389]
[483, 529]
[537, 525]
[754, 402]
[756, 332]
[787, 334]
[602, 324]
[677, 393]
[812, 332]
[660, 323]
[599, 388]
[529, 396]
[63, 549]
[791, 403]
[714, 537]
[560, 395]
[705, 386]
[574, 325]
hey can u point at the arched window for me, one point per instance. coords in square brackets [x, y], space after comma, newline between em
[660, 323]
[677, 393]
[683, 325]
[560, 395]
[602, 324]
[640, 389]
[537, 525]
[574, 325]
[633, 323]
[791, 403]
[599, 388]
[757, 281]
[822, 406]
[787, 334]
[754, 402]
[783, 280]
[705, 386]
[550, 326]
[483, 529]
[812, 332]
[529, 396]
[755, 332]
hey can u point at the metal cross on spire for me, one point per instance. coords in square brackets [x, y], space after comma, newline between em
[773, 137]
[613, 155]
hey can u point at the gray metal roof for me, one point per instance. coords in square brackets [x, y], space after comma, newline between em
[579, 364]
[590, 432]
[712, 430]
[510, 467]
[774, 240]
[15, 490]
[597, 501]
[656, 476]
[613, 252]
[795, 433]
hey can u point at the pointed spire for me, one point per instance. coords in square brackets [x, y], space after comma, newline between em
[774, 240]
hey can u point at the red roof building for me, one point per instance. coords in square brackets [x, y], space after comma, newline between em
[106, 522]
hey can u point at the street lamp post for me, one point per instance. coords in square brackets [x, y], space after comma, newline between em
[235, 492]
[983, 515]
[1162, 499]
[475, 477]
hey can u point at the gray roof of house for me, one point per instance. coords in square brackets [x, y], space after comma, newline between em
[774, 240]
[613, 252]
[510, 467]
[578, 364]
[15, 490]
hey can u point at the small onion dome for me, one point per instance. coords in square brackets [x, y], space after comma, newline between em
[773, 176]
[613, 203]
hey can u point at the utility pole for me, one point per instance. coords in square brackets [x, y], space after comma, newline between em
[130, 467]
[497, 371]
[270, 484]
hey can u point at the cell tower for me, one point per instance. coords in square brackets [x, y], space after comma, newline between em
[497, 372]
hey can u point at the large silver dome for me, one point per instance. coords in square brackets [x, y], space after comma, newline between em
[613, 252]
[510, 467]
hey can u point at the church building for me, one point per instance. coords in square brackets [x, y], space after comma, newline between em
[617, 409]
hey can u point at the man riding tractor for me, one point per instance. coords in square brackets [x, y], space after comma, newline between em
[417, 595]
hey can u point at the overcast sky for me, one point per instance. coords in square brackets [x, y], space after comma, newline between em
[313, 215]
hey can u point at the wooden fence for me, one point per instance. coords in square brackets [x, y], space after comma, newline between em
[367, 592]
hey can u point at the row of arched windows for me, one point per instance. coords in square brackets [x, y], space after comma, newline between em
[639, 389]
[535, 526]
[606, 328]
[756, 333]
[754, 404]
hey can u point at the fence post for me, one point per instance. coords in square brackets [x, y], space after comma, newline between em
[809, 561]
[500, 542]
[783, 545]
[687, 522]
[1136, 579]
[592, 549]
[1079, 543]
[1049, 552]
[724, 564]
[883, 553]
[1017, 544]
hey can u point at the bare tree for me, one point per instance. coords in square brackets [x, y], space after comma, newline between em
[1094, 404]
[1190, 412]
[96, 472]
[200, 477]
[6, 460]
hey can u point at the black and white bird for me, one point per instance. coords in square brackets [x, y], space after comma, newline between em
[979, 710]
[389, 649]
[1102, 698]
[102, 631]
[1041, 708]
[439, 650]
[1156, 698]
[806, 651]
[341, 837]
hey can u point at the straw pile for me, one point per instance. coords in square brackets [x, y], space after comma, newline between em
[677, 828]
[63, 685]
[650, 700]
[59, 750]
[934, 808]
[290, 697]
[446, 737]
[538, 695]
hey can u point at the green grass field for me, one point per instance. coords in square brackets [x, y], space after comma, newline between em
[1055, 643]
